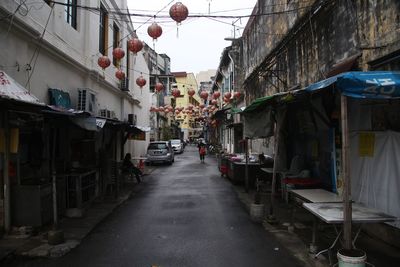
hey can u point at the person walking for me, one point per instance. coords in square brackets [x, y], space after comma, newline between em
[130, 168]
[202, 151]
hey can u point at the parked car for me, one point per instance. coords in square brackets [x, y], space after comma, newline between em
[160, 152]
[177, 145]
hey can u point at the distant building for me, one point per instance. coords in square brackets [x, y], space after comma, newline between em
[205, 79]
[184, 82]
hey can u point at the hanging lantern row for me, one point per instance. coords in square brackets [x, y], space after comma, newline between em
[178, 12]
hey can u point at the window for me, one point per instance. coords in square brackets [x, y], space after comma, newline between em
[116, 36]
[103, 31]
[70, 12]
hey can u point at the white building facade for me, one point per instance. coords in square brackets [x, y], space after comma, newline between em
[54, 46]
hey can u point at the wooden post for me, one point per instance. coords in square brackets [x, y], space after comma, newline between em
[273, 184]
[7, 189]
[54, 178]
[347, 208]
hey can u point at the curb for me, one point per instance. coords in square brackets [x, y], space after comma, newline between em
[46, 250]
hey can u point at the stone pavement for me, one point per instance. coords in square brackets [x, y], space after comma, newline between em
[74, 229]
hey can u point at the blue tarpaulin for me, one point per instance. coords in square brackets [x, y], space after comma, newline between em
[370, 84]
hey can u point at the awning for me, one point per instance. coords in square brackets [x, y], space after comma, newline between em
[370, 84]
[87, 123]
[10, 89]
[259, 103]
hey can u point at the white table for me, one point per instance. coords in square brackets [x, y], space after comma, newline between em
[315, 195]
[332, 213]
[312, 196]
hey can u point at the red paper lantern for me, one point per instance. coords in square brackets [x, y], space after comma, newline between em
[176, 92]
[204, 95]
[135, 45]
[154, 30]
[216, 95]
[104, 62]
[120, 74]
[178, 12]
[227, 95]
[118, 53]
[236, 95]
[191, 92]
[159, 87]
[141, 81]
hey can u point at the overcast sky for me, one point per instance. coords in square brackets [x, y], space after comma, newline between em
[201, 40]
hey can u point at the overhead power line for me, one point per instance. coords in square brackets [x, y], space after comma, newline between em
[150, 16]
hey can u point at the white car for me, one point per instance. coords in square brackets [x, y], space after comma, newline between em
[177, 145]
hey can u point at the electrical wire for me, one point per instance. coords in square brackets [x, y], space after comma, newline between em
[37, 50]
[21, 3]
[150, 16]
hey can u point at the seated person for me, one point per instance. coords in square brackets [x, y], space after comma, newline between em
[265, 161]
[128, 167]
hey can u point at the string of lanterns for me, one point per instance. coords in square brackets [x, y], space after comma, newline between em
[178, 12]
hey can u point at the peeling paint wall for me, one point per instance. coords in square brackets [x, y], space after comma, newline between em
[293, 49]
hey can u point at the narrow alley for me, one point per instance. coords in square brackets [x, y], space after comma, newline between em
[181, 215]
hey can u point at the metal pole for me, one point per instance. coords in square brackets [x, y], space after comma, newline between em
[7, 209]
[347, 208]
[247, 165]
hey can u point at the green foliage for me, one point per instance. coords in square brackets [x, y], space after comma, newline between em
[167, 133]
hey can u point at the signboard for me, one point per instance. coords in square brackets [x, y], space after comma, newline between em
[9, 88]
[138, 136]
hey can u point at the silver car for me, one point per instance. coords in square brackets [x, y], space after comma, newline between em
[160, 152]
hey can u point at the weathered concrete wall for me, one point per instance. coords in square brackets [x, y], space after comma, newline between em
[294, 49]
[379, 27]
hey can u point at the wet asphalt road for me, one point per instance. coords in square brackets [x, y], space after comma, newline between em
[181, 215]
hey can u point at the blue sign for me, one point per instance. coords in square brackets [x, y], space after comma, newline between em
[370, 84]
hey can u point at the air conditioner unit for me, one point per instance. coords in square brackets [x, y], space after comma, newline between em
[87, 100]
[124, 85]
[132, 119]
